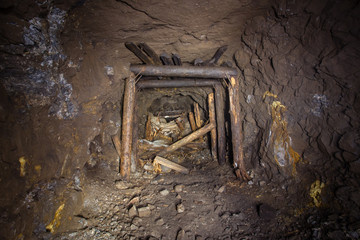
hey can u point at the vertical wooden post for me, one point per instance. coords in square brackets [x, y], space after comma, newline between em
[127, 127]
[197, 115]
[236, 129]
[134, 161]
[192, 122]
[198, 120]
[220, 122]
[212, 121]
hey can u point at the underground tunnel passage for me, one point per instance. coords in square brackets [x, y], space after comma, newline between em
[64, 71]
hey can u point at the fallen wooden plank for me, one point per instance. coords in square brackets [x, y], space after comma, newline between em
[166, 59]
[139, 53]
[117, 144]
[149, 51]
[176, 59]
[169, 164]
[189, 138]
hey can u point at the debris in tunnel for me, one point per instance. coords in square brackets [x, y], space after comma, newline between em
[165, 162]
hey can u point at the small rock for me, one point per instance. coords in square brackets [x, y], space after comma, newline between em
[144, 212]
[221, 189]
[133, 211]
[180, 208]
[134, 200]
[148, 167]
[159, 222]
[136, 220]
[164, 192]
[155, 234]
[133, 227]
[178, 196]
[250, 182]
[121, 185]
[179, 188]
[180, 235]
[262, 183]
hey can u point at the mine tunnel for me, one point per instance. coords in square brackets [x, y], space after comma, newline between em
[125, 119]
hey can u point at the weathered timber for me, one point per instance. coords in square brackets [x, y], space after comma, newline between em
[176, 83]
[218, 54]
[192, 122]
[117, 144]
[236, 129]
[197, 115]
[176, 59]
[139, 53]
[183, 71]
[134, 155]
[166, 59]
[127, 126]
[170, 164]
[151, 53]
[198, 120]
[148, 131]
[220, 122]
[212, 120]
[189, 138]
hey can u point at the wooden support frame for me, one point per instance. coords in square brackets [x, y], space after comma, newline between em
[216, 75]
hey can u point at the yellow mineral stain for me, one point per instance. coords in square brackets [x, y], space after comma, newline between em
[315, 192]
[269, 94]
[22, 161]
[55, 223]
[284, 154]
[92, 106]
[38, 170]
[20, 236]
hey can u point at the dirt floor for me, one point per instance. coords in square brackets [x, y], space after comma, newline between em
[207, 203]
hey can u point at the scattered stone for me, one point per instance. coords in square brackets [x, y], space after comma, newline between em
[180, 208]
[134, 200]
[250, 182]
[179, 188]
[121, 185]
[136, 220]
[133, 227]
[133, 211]
[148, 167]
[159, 222]
[262, 183]
[221, 189]
[180, 235]
[178, 196]
[225, 216]
[164, 192]
[144, 212]
[155, 234]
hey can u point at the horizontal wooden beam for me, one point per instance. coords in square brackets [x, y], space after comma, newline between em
[183, 71]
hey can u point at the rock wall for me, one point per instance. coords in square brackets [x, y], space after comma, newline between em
[299, 72]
